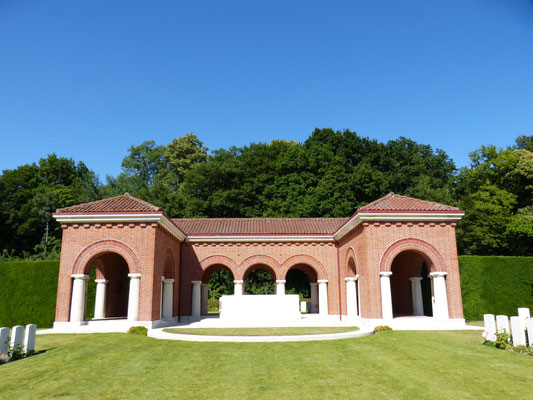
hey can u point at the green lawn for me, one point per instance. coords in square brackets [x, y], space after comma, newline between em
[260, 331]
[397, 364]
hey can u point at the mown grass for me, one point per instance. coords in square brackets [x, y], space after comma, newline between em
[397, 364]
[260, 331]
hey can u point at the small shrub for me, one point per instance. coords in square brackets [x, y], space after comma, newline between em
[138, 330]
[520, 349]
[530, 350]
[16, 353]
[503, 340]
[382, 328]
[212, 305]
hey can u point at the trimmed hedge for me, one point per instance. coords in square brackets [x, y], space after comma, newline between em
[495, 285]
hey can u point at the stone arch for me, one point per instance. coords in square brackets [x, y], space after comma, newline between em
[82, 263]
[351, 258]
[214, 260]
[430, 254]
[303, 259]
[272, 264]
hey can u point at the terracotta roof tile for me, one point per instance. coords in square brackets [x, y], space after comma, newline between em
[258, 226]
[396, 202]
[118, 204]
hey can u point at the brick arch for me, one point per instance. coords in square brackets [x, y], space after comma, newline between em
[426, 250]
[208, 262]
[304, 259]
[350, 253]
[82, 263]
[169, 267]
[272, 264]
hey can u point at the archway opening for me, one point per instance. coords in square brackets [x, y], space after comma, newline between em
[298, 281]
[217, 281]
[410, 284]
[108, 287]
[259, 279]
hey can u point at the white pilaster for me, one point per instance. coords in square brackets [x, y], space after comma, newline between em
[314, 297]
[204, 308]
[196, 298]
[168, 298]
[100, 300]
[416, 294]
[77, 305]
[386, 296]
[280, 287]
[351, 296]
[134, 296]
[323, 297]
[440, 298]
[238, 288]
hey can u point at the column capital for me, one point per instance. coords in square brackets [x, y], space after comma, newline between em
[313, 283]
[385, 273]
[168, 280]
[80, 276]
[238, 281]
[281, 281]
[135, 276]
[437, 274]
[351, 279]
[205, 284]
[322, 281]
[415, 278]
[196, 282]
[104, 281]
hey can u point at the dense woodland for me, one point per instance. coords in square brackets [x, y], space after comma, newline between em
[329, 175]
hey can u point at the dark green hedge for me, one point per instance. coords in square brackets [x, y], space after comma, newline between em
[495, 285]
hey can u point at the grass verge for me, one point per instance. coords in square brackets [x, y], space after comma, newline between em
[260, 331]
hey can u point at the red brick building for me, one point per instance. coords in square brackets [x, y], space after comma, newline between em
[396, 256]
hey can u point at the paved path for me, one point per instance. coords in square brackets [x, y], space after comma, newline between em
[160, 334]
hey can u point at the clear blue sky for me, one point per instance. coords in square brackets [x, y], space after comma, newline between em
[88, 79]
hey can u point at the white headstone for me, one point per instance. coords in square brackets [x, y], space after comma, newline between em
[517, 329]
[17, 335]
[303, 306]
[29, 338]
[4, 340]
[502, 324]
[523, 313]
[490, 327]
[529, 326]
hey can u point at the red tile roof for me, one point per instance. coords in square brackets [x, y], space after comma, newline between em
[118, 204]
[395, 202]
[258, 226]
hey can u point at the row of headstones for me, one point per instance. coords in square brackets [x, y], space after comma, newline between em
[517, 328]
[18, 338]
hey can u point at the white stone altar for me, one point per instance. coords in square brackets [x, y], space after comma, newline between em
[260, 309]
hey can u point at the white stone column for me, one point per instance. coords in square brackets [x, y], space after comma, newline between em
[196, 299]
[440, 298]
[386, 296]
[168, 298]
[238, 288]
[100, 300]
[280, 287]
[314, 297]
[77, 305]
[351, 296]
[204, 309]
[323, 297]
[134, 296]
[416, 294]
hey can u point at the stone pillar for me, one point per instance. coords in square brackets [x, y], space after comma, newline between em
[100, 301]
[204, 309]
[134, 296]
[440, 298]
[280, 287]
[314, 297]
[416, 294]
[351, 296]
[77, 305]
[17, 335]
[29, 338]
[196, 299]
[168, 298]
[4, 339]
[323, 297]
[386, 297]
[238, 288]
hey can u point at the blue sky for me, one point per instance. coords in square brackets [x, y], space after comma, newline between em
[88, 79]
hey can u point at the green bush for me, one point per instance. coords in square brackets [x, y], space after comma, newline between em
[503, 340]
[138, 330]
[382, 328]
[520, 349]
[16, 353]
[495, 285]
[213, 305]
